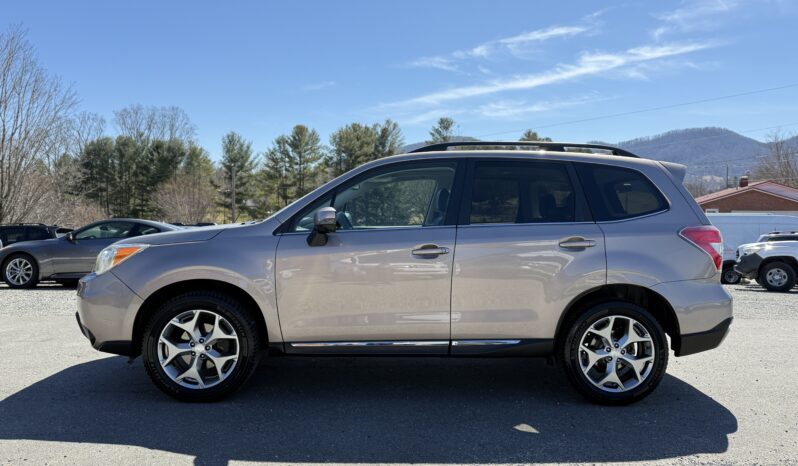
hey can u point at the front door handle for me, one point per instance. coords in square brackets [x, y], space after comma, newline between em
[430, 250]
[577, 242]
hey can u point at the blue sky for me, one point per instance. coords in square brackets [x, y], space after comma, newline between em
[495, 67]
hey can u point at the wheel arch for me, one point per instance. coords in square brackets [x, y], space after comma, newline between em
[644, 297]
[156, 299]
[12, 254]
[792, 261]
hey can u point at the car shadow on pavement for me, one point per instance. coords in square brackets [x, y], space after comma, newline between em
[384, 410]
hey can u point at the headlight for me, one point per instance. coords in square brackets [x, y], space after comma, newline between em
[115, 254]
[752, 249]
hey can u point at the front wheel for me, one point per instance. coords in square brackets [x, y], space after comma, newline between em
[20, 271]
[778, 276]
[615, 353]
[729, 276]
[201, 346]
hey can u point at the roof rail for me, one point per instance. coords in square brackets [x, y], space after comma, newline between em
[545, 145]
[23, 224]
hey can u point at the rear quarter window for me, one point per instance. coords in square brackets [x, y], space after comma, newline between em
[616, 193]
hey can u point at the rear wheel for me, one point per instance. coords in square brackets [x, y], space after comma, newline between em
[21, 271]
[615, 353]
[201, 346]
[778, 276]
[729, 276]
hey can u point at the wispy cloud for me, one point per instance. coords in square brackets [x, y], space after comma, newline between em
[698, 15]
[513, 109]
[587, 64]
[507, 44]
[441, 63]
[319, 86]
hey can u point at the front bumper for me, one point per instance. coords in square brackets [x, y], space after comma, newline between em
[748, 265]
[106, 313]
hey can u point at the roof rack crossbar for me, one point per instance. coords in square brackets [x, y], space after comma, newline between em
[546, 145]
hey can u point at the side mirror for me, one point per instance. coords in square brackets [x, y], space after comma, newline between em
[324, 222]
[70, 237]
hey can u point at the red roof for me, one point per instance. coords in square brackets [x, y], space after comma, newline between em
[767, 186]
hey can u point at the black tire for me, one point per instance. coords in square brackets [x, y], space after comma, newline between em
[241, 320]
[772, 267]
[34, 280]
[729, 276]
[570, 348]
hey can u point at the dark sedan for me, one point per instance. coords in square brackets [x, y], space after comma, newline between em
[72, 256]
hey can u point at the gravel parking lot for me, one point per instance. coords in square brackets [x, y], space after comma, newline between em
[63, 403]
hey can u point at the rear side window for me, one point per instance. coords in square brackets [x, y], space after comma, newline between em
[521, 192]
[616, 193]
[12, 235]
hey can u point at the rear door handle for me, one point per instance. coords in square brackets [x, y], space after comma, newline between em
[430, 250]
[577, 243]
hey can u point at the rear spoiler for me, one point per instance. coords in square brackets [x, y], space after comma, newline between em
[677, 170]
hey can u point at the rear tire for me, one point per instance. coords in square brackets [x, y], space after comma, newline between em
[183, 365]
[777, 276]
[604, 369]
[20, 271]
[729, 276]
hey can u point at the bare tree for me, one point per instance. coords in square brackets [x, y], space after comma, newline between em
[34, 108]
[84, 128]
[185, 200]
[144, 124]
[780, 163]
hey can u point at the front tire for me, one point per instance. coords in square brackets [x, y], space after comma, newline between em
[729, 276]
[615, 353]
[778, 276]
[21, 271]
[201, 346]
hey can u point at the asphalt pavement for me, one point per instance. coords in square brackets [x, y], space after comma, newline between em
[61, 402]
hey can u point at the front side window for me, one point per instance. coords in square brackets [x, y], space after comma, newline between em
[405, 196]
[521, 192]
[35, 234]
[616, 193]
[106, 230]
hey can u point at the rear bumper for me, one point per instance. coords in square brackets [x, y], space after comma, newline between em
[748, 266]
[703, 310]
[702, 341]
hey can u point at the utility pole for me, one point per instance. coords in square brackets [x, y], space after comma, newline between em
[727, 175]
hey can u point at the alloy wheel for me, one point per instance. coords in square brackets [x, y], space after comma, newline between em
[616, 353]
[19, 271]
[198, 349]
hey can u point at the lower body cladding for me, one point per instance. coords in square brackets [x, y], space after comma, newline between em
[510, 347]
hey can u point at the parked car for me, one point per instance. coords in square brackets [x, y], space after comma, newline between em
[778, 236]
[773, 264]
[11, 233]
[589, 258]
[738, 229]
[69, 257]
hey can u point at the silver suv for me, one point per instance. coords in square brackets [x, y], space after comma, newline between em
[583, 253]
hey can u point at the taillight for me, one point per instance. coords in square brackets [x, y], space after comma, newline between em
[707, 238]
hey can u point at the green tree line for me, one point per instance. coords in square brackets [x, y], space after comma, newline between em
[167, 175]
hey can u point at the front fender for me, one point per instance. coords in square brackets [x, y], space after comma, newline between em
[245, 261]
